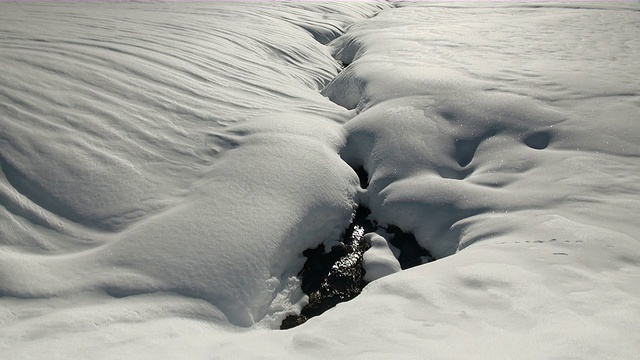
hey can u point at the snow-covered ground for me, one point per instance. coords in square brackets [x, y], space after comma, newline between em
[164, 165]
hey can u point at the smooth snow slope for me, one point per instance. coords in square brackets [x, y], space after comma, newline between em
[180, 150]
[165, 165]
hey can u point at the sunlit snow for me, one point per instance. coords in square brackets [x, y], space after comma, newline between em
[165, 164]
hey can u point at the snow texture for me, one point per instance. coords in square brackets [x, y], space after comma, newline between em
[379, 260]
[165, 164]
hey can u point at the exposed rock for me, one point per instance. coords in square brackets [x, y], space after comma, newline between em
[332, 277]
[411, 253]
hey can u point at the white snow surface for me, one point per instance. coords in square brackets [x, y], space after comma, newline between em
[379, 260]
[165, 164]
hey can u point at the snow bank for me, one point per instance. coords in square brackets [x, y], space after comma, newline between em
[379, 260]
[166, 150]
[445, 143]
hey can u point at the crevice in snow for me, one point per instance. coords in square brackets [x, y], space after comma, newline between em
[411, 253]
[457, 174]
[363, 176]
[334, 275]
[335, 271]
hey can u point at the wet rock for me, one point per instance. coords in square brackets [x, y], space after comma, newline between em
[329, 278]
[334, 276]
[292, 321]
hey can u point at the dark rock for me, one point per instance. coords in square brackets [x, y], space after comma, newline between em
[411, 253]
[292, 321]
[329, 278]
[335, 276]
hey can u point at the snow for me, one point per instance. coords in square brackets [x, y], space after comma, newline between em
[165, 164]
[379, 260]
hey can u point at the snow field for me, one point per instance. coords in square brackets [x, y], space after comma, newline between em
[153, 152]
[160, 209]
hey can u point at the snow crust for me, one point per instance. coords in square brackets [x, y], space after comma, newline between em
[164, 165]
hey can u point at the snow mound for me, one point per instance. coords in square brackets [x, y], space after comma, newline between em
[379, 260]
[169, 148]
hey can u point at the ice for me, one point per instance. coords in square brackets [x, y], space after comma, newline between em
[164, 166]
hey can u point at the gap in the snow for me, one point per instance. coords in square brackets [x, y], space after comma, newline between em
[343, 64]
[363, 176]
[538, 141]
[411, 253]
[329, 278]
[334, 276]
